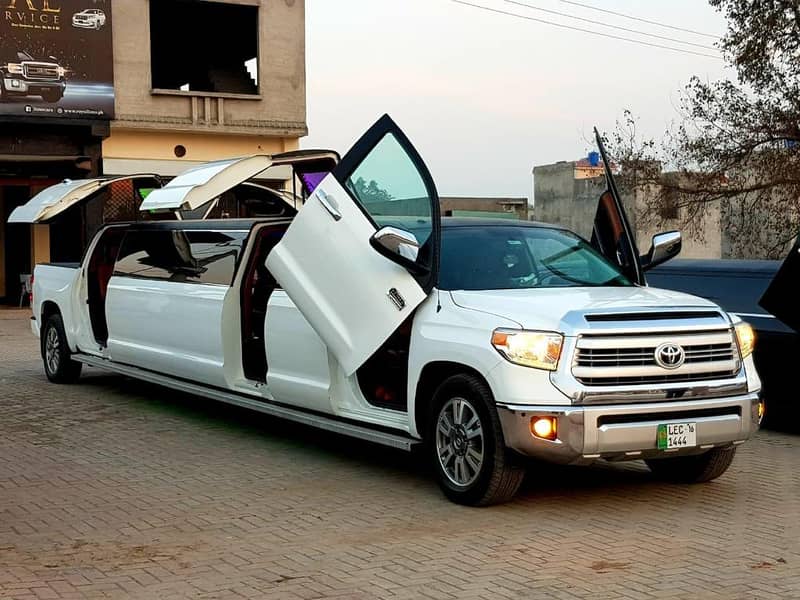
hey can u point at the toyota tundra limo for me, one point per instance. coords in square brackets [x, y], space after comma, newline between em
[365, 313]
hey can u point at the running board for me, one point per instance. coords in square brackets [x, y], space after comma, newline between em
[361, 432]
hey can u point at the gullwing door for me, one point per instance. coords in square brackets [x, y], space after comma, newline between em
[612, 235]
[363, 252]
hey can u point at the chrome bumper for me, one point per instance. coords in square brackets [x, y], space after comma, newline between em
[628, 431]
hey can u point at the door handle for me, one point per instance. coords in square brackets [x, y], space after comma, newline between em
[329, 203]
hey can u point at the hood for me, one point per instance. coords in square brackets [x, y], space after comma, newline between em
[549, 309]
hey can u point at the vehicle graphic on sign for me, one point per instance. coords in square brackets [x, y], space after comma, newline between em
[21, 75]
[90, 18]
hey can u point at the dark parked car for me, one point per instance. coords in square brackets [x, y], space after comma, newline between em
[738, 286]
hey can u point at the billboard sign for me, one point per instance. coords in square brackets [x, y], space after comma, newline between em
[56, 59]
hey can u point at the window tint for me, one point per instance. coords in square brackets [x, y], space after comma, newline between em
[390, 188]
[183, 256]
[496, 257]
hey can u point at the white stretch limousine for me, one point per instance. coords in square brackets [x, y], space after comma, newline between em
[366, 314]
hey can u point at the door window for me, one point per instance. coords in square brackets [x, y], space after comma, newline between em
[390, 189]
[182, 256]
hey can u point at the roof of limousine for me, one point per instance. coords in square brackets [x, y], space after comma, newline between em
[233, 224]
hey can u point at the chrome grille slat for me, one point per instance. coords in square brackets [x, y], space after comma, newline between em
[612, 359]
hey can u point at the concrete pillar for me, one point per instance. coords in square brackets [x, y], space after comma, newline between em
[40, 244]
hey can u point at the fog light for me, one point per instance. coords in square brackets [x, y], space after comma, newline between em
[14, 83]
[762, 408]
[544, 427]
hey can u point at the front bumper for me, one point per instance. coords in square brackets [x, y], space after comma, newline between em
[628, 431]
[23, 87]
[86, 24]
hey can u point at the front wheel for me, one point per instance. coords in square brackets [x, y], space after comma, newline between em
[58, 364]
[52, 95]
[693, 469]
[469, 457]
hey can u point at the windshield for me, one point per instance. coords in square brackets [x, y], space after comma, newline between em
[513, 257]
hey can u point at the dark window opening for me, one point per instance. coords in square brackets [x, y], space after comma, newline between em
[204, 46]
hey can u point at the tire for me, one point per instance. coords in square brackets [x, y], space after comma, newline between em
[58, 364]
[466, 446]
[52, 96]
[693, 469]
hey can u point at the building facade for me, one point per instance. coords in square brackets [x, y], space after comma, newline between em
[566, 193]
[115, 87]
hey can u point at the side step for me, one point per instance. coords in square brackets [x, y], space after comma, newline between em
[393, 440]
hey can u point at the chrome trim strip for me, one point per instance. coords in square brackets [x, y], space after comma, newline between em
[591, 342]
[654, 370]
[400, 441]
[757, 315]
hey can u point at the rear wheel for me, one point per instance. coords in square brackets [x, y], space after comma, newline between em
[466, 444]
[693, 469]
[58, 364]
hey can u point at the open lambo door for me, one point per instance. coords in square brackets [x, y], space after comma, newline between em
[54, 200]
[363, 251]
[612, 235]
[780, 299]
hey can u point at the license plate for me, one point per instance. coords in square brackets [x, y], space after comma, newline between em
[676, 435]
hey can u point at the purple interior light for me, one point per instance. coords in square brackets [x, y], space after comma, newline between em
[312, 180]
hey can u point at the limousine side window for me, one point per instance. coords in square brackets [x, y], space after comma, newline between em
[184, 256]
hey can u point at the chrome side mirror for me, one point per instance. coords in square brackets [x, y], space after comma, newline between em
[398, 245]
[665, 246]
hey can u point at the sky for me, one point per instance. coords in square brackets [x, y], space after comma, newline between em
[483, 96]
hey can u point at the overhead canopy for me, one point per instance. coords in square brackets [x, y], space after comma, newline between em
[199, 185]
[55, 199]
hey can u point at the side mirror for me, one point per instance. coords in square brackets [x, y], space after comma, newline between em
[665, 246]
[397, 245]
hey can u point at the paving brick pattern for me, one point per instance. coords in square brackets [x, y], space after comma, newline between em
[118, 489]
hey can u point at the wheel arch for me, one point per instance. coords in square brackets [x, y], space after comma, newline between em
[431, 376]
[49, 308]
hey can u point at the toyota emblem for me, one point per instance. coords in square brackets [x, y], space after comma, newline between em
[670, 356]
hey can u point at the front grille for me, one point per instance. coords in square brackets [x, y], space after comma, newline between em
[40, 72]
[613, 359]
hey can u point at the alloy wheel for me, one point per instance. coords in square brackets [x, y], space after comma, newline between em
[51, 350]
[460, 441]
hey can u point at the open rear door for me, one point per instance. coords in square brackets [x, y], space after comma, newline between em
[781, 297]
[330, 263]
[612, 235]
[200, 185]
[54, 200]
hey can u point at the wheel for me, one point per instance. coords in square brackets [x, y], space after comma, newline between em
[58, 364]
[693, 469]
[52, 95]
[466, 445]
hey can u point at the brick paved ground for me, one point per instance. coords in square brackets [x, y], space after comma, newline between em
[114, 488]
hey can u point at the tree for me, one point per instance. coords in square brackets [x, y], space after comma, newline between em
[370, 192]
[736, 148]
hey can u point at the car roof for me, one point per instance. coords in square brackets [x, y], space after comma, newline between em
[448, 222]
[698, 266]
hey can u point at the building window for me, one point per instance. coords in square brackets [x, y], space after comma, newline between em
[200, 46]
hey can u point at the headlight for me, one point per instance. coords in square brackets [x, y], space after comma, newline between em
[14, 68]
[538, 349]
[746, 338]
